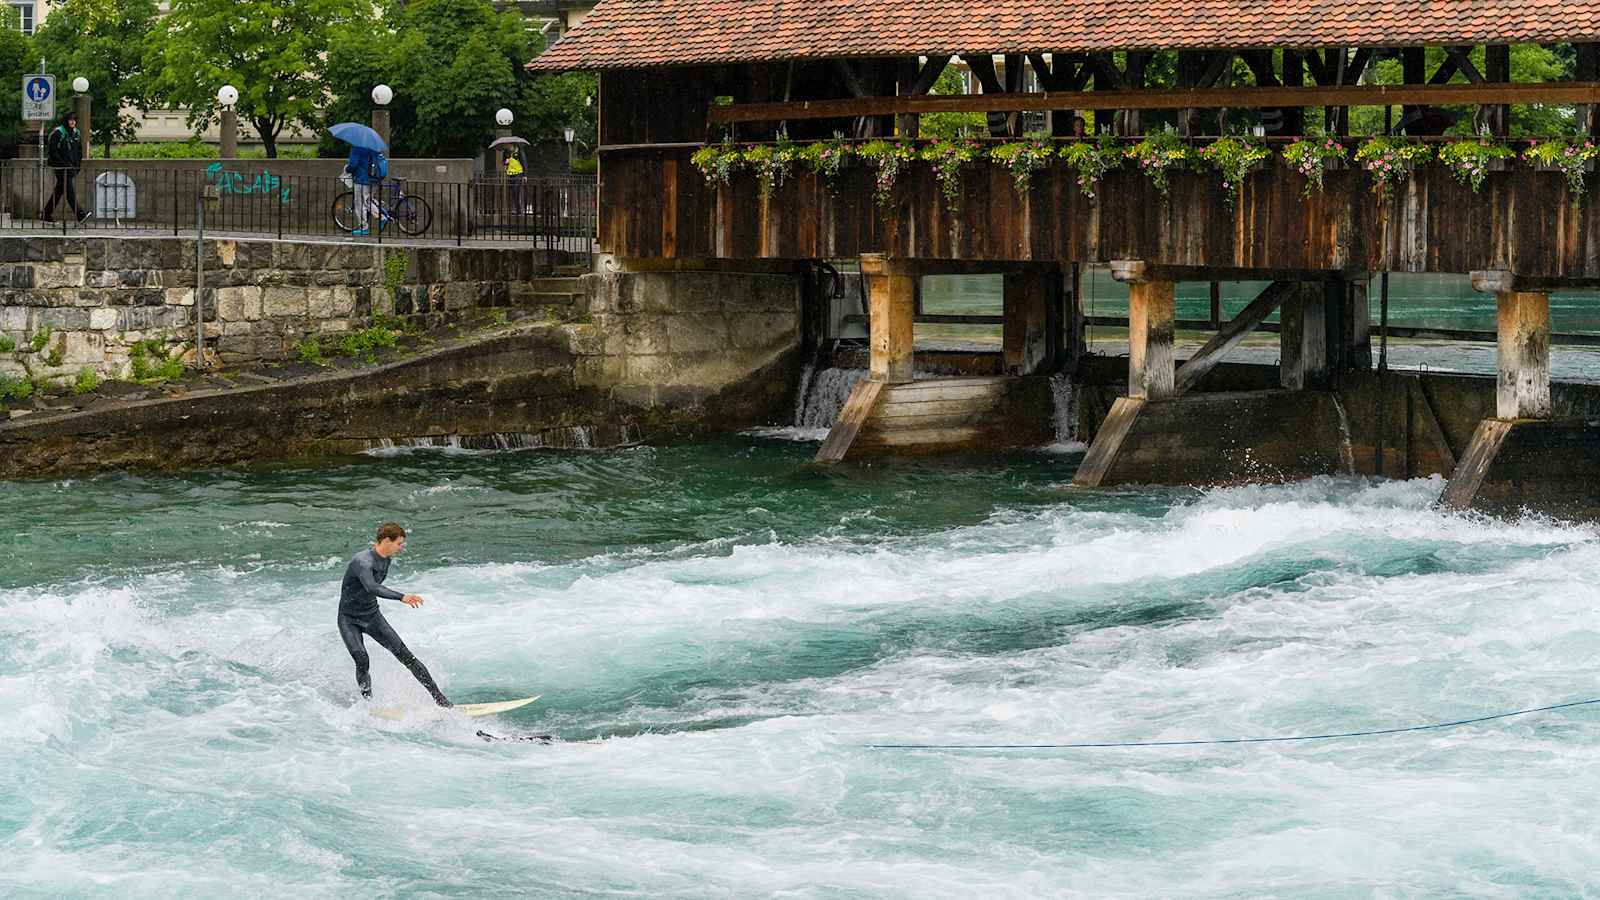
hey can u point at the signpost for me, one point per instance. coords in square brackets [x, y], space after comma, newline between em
[38, 98]
[39, 105]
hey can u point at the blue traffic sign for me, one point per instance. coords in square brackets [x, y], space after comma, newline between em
[39, 89]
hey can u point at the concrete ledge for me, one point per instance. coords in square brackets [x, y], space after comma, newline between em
[1522, 465]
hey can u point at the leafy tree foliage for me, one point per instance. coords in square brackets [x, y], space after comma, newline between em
[104, 41]
[273, 51]
[452, 64]
[16, 59]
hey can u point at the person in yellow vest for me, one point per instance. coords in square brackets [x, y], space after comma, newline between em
[514, 172]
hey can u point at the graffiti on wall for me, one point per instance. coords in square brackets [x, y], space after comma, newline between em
[229, 181]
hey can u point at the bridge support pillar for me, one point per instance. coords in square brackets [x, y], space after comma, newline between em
[1522, 390]
[892, 306]
[1151, 370]
[1031, 331]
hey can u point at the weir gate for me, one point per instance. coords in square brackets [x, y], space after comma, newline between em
[1284, 146]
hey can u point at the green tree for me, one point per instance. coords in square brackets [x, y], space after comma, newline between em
[1529, 63]
[104, 43]
[452, 64]
[273, 51]
[16, 59]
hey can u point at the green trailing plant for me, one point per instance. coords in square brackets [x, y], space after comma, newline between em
[826, 158]
[888, 158]
[88, 380]
[1570, 158]
[1233, 158]
[151, 364]
[1023, 158]
[1469, 161]
[310, 351]
[7, 345]
[41, 338]
[1158, 155]
[1091, 159]
[772, 164]
[394, 270]
[718, 162]
[1389, 161]
[54, 357]
[1311, 156]
[950, 160]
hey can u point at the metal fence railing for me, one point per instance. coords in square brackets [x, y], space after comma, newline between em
[550, 213]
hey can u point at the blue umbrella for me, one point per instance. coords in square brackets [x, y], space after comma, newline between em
[358, 135]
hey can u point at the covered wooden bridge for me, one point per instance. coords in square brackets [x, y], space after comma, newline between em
[774, 88]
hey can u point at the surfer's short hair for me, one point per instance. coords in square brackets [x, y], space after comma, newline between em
[390, 531]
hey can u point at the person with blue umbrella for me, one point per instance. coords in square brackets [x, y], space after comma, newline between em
[366, 166]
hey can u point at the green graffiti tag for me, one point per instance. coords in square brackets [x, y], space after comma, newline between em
[232, 182]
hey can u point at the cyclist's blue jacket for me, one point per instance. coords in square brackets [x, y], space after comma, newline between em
[365, 166]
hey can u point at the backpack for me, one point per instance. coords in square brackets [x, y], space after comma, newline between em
[56, 144]
[378, 165]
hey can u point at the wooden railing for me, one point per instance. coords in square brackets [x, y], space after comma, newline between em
[1555, 92]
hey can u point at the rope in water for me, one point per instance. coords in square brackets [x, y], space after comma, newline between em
[1248, 740]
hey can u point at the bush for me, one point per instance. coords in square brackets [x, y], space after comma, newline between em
[88, 380]
[41, 338]
[366, 343]
[16, 389]
[310, 351]
[195, 148]
[7, 345]
[151, 364]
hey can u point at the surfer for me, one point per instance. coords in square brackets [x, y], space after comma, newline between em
[359, 614]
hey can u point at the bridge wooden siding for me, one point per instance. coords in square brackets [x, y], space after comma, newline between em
[655, 204]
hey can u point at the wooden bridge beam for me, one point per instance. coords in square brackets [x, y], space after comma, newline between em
[1523, 388]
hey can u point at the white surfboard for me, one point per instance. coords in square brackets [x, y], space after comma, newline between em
[466, 709]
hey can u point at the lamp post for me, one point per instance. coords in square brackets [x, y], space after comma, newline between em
[568, 133]
[381, 95]
[80, 106]
[227, 98]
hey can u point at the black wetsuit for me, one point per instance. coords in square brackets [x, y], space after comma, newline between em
[359, 615]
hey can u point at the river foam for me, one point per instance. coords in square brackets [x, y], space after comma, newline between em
[179, 728]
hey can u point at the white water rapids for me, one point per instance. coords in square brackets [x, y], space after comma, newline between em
[178, 717]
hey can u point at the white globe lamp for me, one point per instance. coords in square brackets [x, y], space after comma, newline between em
[503, 117]
[228, 95]
[382, 94]
[80, 84]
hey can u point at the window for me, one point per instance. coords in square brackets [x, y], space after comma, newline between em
[24, 16]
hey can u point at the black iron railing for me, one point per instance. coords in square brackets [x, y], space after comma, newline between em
[551, 213]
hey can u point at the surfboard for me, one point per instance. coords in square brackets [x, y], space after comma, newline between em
[466, 709]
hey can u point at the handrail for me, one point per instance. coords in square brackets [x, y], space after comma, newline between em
[1179, 98]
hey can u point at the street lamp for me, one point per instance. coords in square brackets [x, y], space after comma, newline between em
[80, 108]
[227, 97]
[80, 85]
[381, 95]
[568, 133]
[503, 118]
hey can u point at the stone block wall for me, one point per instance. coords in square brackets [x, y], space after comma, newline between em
[94, 298]
[680, 339]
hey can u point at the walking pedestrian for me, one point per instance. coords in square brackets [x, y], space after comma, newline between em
[64, 154]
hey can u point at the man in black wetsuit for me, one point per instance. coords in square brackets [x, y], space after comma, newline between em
[359, 613]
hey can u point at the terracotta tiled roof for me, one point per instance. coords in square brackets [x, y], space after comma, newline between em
[636, 33]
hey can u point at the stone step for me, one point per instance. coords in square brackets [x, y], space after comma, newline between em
[555, 285]
[543, 298]
[572, 270]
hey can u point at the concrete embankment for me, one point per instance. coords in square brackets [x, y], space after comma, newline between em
[621, 357]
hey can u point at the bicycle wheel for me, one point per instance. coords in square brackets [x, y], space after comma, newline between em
[344, 211]
[411, 214]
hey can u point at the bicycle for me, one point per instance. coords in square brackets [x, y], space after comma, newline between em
[410, 213]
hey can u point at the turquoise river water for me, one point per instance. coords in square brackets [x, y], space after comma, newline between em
[718, 629]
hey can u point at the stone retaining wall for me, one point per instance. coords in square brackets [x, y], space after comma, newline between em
[93, 297]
